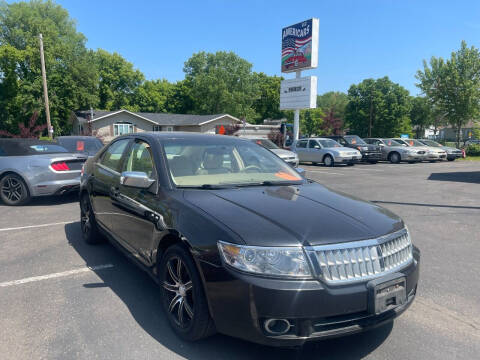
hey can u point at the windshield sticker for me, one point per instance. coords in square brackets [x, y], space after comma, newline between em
[284, 175]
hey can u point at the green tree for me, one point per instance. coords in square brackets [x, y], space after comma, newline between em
[378, 108]
[221, 83]
[311, 121]
[180, 100]
[454, 86]
[118, 81]
[152, 96]
[333, 105]
[267, 103]
[70, 71]
[421, 115]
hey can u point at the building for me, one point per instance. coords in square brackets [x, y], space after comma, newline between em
[448, 133]
[108, 124]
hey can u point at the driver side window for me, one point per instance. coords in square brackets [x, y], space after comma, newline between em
[140, 159]
[313, 144]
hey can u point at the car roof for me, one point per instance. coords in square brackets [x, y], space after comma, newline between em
[180, 135]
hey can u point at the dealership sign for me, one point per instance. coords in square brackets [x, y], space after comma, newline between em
[300, 93]
[300, 46]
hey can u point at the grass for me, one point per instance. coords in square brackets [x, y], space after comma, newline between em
[470, 158]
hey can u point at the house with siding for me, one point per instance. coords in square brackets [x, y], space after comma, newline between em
[109, 124]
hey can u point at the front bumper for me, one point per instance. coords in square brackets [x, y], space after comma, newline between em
[371, 156]
[454, 155]
[240, 304]
[436, 156]
[348, 159]
[414, 157]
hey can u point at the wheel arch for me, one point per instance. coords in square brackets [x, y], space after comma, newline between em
[14, 172]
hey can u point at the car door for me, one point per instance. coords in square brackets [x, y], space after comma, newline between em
[383, 148]
[302, 150]
[314, 151]
[135, 218]
[106, 176]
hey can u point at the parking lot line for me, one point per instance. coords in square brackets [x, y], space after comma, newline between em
[55, 275]
[36, 226]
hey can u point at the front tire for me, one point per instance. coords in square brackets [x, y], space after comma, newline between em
[13, 190]
[90, 233]
[328, 161]
[394, 158]
[183, 298]
[451, 159]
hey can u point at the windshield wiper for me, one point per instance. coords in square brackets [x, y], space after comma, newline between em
[203, 186]
[269, 183]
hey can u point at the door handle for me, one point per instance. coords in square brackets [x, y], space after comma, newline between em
[114, 191]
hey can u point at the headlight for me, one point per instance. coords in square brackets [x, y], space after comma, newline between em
[412, 152]
[273, 261]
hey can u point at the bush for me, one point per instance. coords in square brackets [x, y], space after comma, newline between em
[44, 138]
[473, 150]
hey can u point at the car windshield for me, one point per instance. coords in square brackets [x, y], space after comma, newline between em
[391, 142]
[88, 146]
[222, 162]
[413, 142]
[354, 140]
[265, 143]
[328, 143]
[431, 143]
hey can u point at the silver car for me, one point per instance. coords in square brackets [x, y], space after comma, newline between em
[30, 167]
[452, 153]
[286, 155]
[395, 152]
[432, 154]
[326, 151]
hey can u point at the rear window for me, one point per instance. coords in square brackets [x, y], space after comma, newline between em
[25, 147]
[88, 146]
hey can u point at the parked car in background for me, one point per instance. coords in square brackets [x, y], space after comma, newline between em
[395, 152]
[451, 153]
[88, 145]
[326, 151]
[30, 167]
[240, 243]
[432, 154]
[370, 153]
[471, 142]
[286, 155]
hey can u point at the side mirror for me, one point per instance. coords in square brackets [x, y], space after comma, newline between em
[137, 179]
[301, 171]
[316, 147]
[381, 144]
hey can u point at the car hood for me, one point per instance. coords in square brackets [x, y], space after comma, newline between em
[309, 214]
[448, 148]
[283, 153]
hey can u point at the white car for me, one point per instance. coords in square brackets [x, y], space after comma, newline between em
[326, 151]
[286, 155]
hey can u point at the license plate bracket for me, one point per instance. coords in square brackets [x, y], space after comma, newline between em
[387, 294]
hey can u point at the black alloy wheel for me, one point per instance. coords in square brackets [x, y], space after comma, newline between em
[179, 292]
[183, 297]
[90, 232]
[14, 191]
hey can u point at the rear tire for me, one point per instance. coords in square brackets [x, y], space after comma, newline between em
[90, 233]
[328, 161]
[372, 162]
[451, 159]
[394, 158]
[13, 190]
[183, 297]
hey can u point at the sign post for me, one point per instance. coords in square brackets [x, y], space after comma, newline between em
[299, 52]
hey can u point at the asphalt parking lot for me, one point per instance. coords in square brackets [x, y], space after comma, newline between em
[62, 299]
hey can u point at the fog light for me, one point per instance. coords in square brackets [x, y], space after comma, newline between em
[277, 326]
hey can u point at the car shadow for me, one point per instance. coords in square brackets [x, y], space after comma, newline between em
[141, 296]
[462, 176]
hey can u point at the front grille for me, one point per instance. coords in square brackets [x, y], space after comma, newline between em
[361, 260]
[421, 152]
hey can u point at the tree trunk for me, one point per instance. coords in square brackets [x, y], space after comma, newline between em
[458, 132]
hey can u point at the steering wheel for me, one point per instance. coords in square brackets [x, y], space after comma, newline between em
[252, 169]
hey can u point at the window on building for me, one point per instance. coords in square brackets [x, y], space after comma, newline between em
[157, 127]
[122, 128]
[169, 128]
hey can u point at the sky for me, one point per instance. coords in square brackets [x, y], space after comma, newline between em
[358, 39]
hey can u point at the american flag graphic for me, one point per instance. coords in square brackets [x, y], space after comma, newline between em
[290, 45]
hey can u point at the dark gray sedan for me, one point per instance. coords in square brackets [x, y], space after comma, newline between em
[31, 167]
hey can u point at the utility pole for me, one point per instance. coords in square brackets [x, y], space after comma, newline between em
[296, 116]
[45, 90]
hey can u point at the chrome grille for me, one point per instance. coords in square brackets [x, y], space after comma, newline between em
[362, 260]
